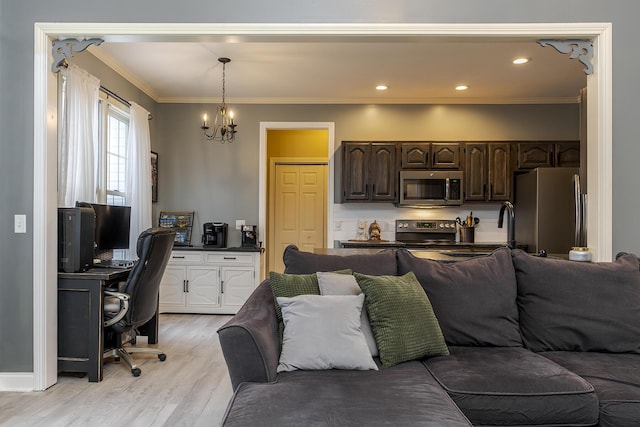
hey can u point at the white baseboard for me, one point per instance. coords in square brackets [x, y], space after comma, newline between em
[16, 381]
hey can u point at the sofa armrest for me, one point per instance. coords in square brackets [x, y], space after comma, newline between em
[250, 340]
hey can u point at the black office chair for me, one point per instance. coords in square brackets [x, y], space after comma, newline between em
[135, 303]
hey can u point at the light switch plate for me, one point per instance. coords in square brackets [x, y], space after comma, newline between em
[19, 223]
[239, 224]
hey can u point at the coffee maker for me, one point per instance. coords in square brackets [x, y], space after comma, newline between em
[214, 234]
[249, 236]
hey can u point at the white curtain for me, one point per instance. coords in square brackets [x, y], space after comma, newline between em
[78, 146]
[138, 178]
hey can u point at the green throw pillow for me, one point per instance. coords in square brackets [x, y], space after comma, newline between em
[402, 318]
[292, 285]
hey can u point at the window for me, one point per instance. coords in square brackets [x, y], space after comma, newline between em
[113, 151]
[114, 125]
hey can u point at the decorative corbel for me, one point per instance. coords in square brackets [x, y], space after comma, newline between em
[581, 49]
[63, 49]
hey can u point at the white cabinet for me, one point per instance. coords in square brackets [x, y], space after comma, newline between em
[212, 282]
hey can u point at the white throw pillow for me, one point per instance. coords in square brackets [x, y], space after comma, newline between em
[346, 284]
[323, 332]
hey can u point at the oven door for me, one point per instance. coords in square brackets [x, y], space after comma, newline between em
[430, 188]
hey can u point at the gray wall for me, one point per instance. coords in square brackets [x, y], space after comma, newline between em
[16, 103]
[220, 181]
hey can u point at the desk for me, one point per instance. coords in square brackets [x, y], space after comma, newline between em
[80, 319]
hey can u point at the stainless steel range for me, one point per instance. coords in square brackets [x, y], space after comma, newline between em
[425, 232]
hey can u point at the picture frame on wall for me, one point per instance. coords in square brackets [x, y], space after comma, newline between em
[154, 176]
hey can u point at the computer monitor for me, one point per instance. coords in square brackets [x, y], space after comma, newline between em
[113, 224]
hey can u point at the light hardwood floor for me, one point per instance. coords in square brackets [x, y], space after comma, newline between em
[190, 388]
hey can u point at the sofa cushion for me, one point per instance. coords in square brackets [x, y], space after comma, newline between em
[474, 300]
[401, 318]
[405, 395]
[578, 306]
[323, 332]
[514, 386]
[298, 262]
[345, 284]
[615, 378]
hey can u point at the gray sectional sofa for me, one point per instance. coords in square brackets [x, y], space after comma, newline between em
[531, 342]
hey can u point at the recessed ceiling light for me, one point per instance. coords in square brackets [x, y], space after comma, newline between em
[462, 87]
[520, 61]
[382, 87]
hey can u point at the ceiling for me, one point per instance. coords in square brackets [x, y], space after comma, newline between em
[328, 70]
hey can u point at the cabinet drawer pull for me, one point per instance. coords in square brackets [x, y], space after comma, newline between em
[178, 257]
[222, 287]
[229, 257]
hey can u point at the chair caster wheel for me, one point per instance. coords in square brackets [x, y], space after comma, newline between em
[162, 357]
[136, 372]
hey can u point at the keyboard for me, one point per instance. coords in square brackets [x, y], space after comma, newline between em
[115, 263]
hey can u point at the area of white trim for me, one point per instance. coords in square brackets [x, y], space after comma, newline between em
[17, 381]
[44, 250]
[329, 101]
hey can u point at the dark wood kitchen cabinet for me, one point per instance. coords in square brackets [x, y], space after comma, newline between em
[430, 155]
[534, 155]
[487, 171]
[567, 154]
[415, 155]
[369, 171]
[548, 154]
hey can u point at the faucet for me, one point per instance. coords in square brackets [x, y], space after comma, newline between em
[511, 225]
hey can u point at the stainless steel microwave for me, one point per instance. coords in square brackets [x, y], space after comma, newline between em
[431, 188]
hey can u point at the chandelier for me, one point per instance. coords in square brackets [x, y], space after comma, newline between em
[224, 128]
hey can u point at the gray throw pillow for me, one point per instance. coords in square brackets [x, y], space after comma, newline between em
[299, 262]
[402, 319]
[323, 332]
[579, 306]
[346, 284]
[474, 299]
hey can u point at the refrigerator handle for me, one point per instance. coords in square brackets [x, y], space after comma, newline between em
[578, 210]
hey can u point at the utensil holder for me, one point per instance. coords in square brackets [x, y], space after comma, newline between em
[467, 234]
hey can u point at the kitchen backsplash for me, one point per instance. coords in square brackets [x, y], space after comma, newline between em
[347, 216]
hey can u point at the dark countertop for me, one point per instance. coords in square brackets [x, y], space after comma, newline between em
[449, 255]
[434, 246]
[212, 249]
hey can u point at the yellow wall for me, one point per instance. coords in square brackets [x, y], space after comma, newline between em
[297, 143]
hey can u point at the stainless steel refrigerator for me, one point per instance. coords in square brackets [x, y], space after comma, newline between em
[550, 210]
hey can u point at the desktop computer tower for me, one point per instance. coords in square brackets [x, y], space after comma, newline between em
[75, 239]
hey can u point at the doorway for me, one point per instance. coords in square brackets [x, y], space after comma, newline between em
[296, 192]
[45, 110]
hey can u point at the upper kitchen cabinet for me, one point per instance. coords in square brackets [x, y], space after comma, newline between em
[567, 154]
[430, 155]
[548, 154]
[369, 171]
[487, 171]
[535, 154]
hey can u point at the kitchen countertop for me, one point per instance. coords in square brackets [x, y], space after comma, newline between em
[434, 246]
[212, 249]
[448, 255]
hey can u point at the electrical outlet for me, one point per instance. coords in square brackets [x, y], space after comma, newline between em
[19, 223]
[239, 224]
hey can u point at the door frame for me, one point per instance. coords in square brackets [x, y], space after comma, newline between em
[271, 173]
[599, 130]
[264, 171]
